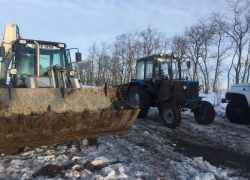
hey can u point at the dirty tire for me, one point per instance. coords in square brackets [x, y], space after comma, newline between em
[171, 115]
[237, 111]
[139, 97]
[207, 115]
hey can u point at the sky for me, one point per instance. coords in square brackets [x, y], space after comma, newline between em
[80, 23]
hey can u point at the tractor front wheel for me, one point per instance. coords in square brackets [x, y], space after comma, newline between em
[204, 114]
[138, 96]
[171, 115]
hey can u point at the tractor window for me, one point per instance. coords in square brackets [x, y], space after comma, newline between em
[163, 71]
[149, 69]
[175, 70]
[140, 70]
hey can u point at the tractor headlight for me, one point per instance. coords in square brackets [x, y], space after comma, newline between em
[184, 87]
[61, 45]
[175, 55]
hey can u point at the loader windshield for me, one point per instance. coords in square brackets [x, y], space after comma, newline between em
[48, 57]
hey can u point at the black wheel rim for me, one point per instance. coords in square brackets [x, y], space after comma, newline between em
[135, 100]
[238, 112]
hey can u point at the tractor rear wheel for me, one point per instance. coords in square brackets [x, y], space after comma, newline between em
[171, 115]
[138, 96]
[237, 111]
[205, 114]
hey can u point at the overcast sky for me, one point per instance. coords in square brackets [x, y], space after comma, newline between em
[79, 23]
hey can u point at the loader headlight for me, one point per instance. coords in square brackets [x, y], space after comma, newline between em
[12, 71]
[184, 87]
[72, 73]
[22, 41]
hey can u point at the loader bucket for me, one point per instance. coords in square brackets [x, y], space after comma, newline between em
[43, 116]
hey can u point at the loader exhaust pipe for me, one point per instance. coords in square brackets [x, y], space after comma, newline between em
[38, 59]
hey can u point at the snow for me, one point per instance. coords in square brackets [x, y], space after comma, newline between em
[148, 150]
[215, 100]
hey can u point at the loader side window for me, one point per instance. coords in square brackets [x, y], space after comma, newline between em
[44, 63]
[140, 70]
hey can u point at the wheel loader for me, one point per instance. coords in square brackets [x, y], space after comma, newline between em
[43, 103]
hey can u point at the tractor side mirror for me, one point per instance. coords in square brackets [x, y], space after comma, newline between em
[188, 64]
[2, 51]
[78, 57]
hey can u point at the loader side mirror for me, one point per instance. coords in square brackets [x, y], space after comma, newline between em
[78, 57]
[2, 51]
[188, 64]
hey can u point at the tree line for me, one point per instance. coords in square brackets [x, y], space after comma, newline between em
[218, 48]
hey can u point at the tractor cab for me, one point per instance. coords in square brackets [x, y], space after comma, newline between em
[152, 70]
[158, 68]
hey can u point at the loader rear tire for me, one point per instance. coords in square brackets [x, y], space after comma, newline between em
[206, 114]
[171, 115]
[237, 111]
[138, 96]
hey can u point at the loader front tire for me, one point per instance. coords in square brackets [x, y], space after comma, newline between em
[237, 111]
[138, 96]
[205, 114]
[171, 115]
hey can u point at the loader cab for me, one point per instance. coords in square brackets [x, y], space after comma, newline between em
[26, 61]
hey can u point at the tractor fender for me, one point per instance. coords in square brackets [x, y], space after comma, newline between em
[138, 82]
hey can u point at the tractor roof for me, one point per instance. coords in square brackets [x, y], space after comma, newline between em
[154, 55]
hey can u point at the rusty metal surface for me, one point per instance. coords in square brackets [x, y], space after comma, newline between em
[165, 93]
[42, 117]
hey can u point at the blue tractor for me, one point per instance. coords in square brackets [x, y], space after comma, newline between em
[159, 83]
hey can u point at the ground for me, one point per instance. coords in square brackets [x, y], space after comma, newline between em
[149, 150]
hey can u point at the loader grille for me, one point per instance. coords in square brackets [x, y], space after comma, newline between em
[192, 91]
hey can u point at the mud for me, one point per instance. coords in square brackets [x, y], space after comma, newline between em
[52, 170]
[91, 167]
[192, 144]
[216, 155]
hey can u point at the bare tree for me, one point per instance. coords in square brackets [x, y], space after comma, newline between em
[152, 41]
[220, 53]
[194, 36]
[237, 29]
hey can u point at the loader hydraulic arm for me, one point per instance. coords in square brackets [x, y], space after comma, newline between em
[10, 34]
